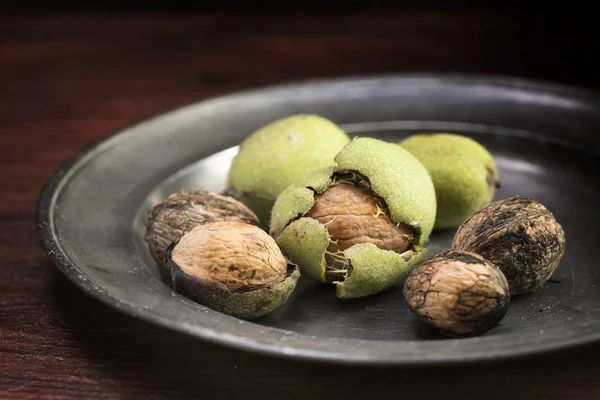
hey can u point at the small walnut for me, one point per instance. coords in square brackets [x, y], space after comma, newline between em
[518, 235]
[353, 214]
[459, 293]
[182, 211]
[231, 267]
[235, 254]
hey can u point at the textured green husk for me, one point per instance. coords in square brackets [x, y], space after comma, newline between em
[397, 177]
[276, 155]
[459, 168]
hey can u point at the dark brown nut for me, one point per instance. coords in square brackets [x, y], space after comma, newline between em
[518, 235]
[459, 293]
[177, 214]
[231, 267]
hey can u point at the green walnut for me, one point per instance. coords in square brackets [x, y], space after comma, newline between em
[276, 155]
[361, 224]
[464, 174]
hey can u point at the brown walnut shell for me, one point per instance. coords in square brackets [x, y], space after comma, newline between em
[232, 267]
[458, 293]
[518, 235]
[180, 212]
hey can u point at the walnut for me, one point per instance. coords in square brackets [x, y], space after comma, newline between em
[182, 211]
[518, 235]
[459, 293]
[463, 172]
[231, 267]
[278, 153]
[360, 225]
[353, 214]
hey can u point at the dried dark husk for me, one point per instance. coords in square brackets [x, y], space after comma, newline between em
[520, 236]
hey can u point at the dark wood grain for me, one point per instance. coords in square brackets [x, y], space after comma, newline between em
[66, 81]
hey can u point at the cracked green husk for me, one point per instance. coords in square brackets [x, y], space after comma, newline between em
[398, 178]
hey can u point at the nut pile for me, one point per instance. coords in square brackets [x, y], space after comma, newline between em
[303, 198]
[517, 239]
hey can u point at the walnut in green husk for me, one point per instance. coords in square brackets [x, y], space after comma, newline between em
[231, 267]
[276, 155]
[177, 214]
[464, 174]
[518, 235]
[360, 225]
[353, 214]
[458, 293]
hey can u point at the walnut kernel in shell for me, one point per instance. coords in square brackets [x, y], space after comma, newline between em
[231, 267]
[178, 213]
[353, 214]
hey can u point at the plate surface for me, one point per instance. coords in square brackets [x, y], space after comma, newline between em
[91, 214]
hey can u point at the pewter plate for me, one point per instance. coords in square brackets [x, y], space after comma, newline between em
[91, 213]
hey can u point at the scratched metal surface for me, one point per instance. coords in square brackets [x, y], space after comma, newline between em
[91, 213]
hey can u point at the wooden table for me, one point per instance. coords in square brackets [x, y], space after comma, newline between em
[67, 80]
